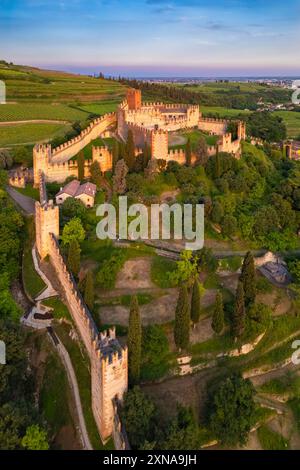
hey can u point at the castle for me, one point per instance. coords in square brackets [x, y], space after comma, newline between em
[150, 123]
[109, 362]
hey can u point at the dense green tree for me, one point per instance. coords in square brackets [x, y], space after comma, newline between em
[130, 150]
[266, 126]
[6, 160]
[248, 279]
[35, 438]
[196, 302]
[3, 178]
[218, 314]
[217, 212]
[183, 432]
[186, 269]
[12, 426]
[206, 260]
[188, 152]
[232, 410]
[73, 230]
[22, 155]
[73, 207]
[229, 225]
[80, 165]
[155, 352]
[89, 295]
[138, 414]
[238, 321]
[96, 174]
[74, 257]
[182, 319]
[134, 341]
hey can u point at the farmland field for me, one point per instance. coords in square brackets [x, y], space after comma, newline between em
[292, 121]
[106, 106]
[26, 111]
[28, 133]
[222, 112]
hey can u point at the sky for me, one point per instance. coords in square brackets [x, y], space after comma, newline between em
[154, 37]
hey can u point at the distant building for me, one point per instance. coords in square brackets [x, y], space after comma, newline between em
[86, 192]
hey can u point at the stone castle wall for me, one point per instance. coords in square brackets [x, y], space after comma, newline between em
[213, 126]
[109, 369]
[95, 129]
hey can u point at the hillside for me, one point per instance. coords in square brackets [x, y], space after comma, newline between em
[61, 98]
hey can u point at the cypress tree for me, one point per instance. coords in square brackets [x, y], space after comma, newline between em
[217, 165]
[238, 324]
[115, 153]
[248, 279]
[188, 153]
[80, 166]
[134, 341]
[182, 320]
[74, 257]
[96, 174]
[146, 155]
[218, 315]
[130, 147]
[89, 290]
[196, 303]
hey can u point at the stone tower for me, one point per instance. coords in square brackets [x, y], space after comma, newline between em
[241, 130]
[46, 222]
[134, 99]
[41, 157]
[109, 369]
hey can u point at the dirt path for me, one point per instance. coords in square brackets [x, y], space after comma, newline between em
[34, 121]
[26, 203]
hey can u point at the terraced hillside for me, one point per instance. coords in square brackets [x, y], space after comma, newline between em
[34, 95]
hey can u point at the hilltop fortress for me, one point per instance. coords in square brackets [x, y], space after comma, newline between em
[151, 124]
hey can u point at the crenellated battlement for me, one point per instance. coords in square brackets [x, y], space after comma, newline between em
[215, 120]
[84, 133]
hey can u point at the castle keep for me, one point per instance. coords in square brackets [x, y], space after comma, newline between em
[150, 124]
[109, 364]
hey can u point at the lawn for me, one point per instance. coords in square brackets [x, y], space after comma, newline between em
[271, 440]
[32, 282]
[35, 111]
[55, 395]
[29, 133]
[102, 107]
[160, 268]
[194, 136]
[60, 310]
[30, 191]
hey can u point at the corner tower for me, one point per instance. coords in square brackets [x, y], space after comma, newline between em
[109, 366]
